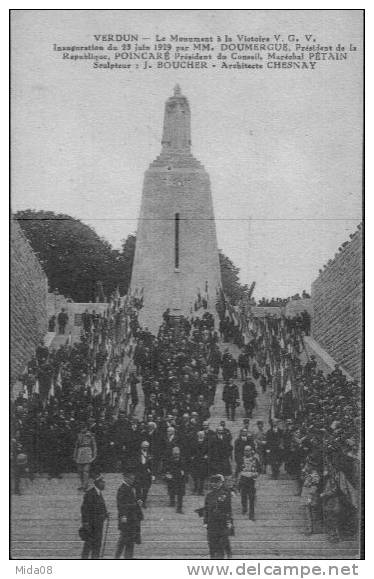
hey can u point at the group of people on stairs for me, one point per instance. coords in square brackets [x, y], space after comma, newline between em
[178, 371]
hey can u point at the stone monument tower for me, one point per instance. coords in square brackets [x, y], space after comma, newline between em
[176, 256]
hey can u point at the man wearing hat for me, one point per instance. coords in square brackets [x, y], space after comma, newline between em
[310, 494]
[85, 453]
[274, 448]
[248, 471]
[249, 394]
[144, 469]
[129, 515]
[175, 476]
[218, 518]
[94, 513]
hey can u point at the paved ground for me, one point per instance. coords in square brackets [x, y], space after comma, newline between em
[46, 518]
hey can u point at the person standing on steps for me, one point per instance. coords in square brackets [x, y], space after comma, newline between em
[244, 439]
[85, 453]
[94, 513]
[226, 431]
[331, 504]
[243, 363]
[274, 448]
[129, 515]
[62, 320]
[249, 395]
[248, 471]
[144, 469]
[260, 442]
[231, 398]
[176, 479]
[263, 383]
[218, 518]
[199, 462]
[310, 495]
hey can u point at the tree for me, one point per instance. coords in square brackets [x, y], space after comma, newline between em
[231, 285]
[127, 259]
[72, 255]
[75, 258]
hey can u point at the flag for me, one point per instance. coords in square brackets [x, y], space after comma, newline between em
[58, 380]
[25, 393]
[51, 392]
[36, 387]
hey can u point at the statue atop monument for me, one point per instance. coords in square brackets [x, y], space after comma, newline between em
[177, 124]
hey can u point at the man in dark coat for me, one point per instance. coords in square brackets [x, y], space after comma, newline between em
[168, 443]
[230, 396]
[244, 439]
[176, 479]
[274, 449]
[133, 439]
[94, 513]
[144, 472]
[202, 409]
[219, 453]
[62, 320]
[199, 461]
[249, 395]
[129, 516]
[263, 382]
[218, 518]
[243, 363]
[215, 360]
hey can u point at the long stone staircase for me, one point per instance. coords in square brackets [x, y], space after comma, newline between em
[46, 517]
[72, 333]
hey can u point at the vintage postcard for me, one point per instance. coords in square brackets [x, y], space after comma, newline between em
[186, 286]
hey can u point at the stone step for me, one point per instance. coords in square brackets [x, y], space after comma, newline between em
[46, 518]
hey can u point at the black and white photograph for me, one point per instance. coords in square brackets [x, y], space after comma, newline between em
[186, 285]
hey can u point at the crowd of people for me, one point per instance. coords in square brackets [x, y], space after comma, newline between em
[319, 437]
[73, 387]
[73, 419]
[281, 302]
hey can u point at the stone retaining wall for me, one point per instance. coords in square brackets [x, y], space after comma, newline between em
[28, 301]
[337, 306]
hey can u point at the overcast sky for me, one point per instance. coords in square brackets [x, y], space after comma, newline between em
[282, 148]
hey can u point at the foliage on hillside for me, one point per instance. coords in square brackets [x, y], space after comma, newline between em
[75, 258]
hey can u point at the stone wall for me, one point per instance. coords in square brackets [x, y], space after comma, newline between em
[55, 302]
[324, 361]
[291, 309]
[28, 286]
[74, 310]
[337, 306]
